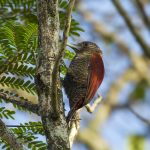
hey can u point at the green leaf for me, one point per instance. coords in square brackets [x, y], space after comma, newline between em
[69, 55]
[136, 142]
[6, 113]
[18, 84]
[139, 91]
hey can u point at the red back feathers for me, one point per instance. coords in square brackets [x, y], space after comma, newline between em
[96, 75]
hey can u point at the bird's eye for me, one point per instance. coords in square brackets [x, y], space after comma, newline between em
[85, 44]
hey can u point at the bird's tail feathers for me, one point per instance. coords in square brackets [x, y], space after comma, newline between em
[71, 114]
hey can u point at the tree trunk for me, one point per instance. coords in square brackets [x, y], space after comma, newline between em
[52, 112]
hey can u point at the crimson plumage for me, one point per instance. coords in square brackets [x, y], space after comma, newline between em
[84, 76]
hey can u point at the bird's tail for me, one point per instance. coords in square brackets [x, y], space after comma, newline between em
[71, 115]
[73, 118]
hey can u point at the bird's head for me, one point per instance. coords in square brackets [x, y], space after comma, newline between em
[85, 46]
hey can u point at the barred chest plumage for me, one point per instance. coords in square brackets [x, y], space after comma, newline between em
[75, 82]
[79, 68]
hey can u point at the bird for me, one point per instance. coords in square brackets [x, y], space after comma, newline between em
[84, 76]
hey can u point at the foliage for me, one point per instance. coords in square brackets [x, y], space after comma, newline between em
[6, 113]
[18, 10]
[28, 133]
[18, 44]
[68, 56]
[75, 26]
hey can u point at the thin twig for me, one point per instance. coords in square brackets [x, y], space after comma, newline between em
[9, 137]
[129, 107]
[143, 13]
[20, 102]
[91, 108]
[139, 116]
[136, 34]
[61, 53]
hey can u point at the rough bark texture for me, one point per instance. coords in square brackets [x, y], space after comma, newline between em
[9, 137]
[52, 112]
[20, 102]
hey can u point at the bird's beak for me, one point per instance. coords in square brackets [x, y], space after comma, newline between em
[73, 46]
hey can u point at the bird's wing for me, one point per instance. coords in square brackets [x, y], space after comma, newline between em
[95, 76]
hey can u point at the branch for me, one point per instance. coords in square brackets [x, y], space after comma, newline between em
[91, 108]
[129, 107]
[74, 127]
[61, 53]
[20, 102]
[9, 137]
[138, 37]
[143, 14]
[139, 116]
[93, 140]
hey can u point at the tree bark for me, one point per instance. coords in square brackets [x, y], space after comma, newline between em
[51, 111]
[9, 137]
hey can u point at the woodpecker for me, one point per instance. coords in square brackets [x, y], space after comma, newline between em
[84, 75]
